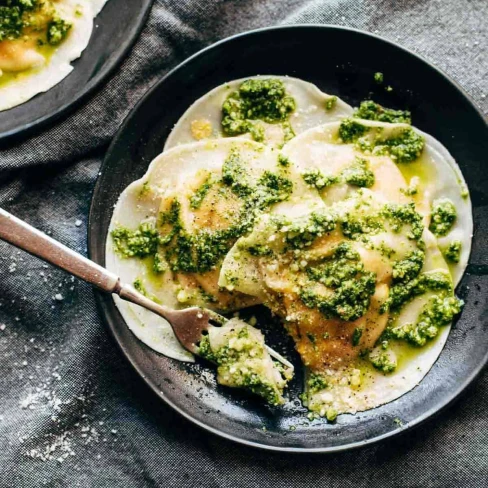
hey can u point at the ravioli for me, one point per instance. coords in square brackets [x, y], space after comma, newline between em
[351, 226]
[192, 205]
[310, 107]
[35, 55]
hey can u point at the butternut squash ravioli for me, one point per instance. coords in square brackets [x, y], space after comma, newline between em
[349, 224]
[38, 41]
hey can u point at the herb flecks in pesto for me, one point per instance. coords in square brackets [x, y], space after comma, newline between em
[404, 291]
[356, 336]
[383, 360]
[453, 252]
[409, 268]
[352, 286]
[316, 382]
[370, 110]
[138, 243]
[443, 217]
[359, 174]
[57, 30]
[405, 147]
[439, 312]
[315, 178]
[330, 103]
[257, 99]
[401, 215]
[379, 77]
[351, 130]
[197, 198]
[302, 232]
[242, 363]
[19, 18]
[13, 17]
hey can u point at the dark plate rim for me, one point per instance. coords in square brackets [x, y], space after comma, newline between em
[449, 400]
[96, 82]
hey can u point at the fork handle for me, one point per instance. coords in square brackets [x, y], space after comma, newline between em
[28, 238]
[35, 242]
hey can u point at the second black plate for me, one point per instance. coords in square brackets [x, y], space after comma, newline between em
[116, 28]
[439, 107]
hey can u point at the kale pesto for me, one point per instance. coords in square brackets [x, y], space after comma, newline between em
[23, 17]
[348, 301]
[330, 103]
[382, 359]
[356, 336]
[453, 252]
[315, 178]
[359, 174]
[403, 148]
[302, 232]
[316, 382]
[439, 312]
[242, 363]
[400, 215]
[404, 291]
[173, 246]
[370, 110]
[57, 30]
[443, 216]
[138, 243]
[13, 17]
[197, 198]
[257, 99]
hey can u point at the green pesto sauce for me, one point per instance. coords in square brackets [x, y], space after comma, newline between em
[197, 198]
[255, 100]
[370, 110]
[404, 148]
[57, 30]
[379, 77]
[17, 16]
[237, 365]
[359, 174]
[409, 268]
[439, 312]
[443, 217]
[203, 250]
[302, 232]
[138, 243]
[453, 252]
[316, 382]
[404, 291]
[13, 17]
[356, 336]
[330, 103]
[352, 286]
[283, 161]
[382, 359]
[399, 215]
[315, 178]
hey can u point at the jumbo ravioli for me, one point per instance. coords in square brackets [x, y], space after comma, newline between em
[351, 226]
[38, 41]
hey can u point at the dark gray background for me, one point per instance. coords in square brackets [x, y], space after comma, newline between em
[72, 412]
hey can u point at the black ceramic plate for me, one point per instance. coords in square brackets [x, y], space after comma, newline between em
[439, 107]
[115, 29]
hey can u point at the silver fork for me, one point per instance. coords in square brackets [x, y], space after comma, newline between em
[189, 324]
